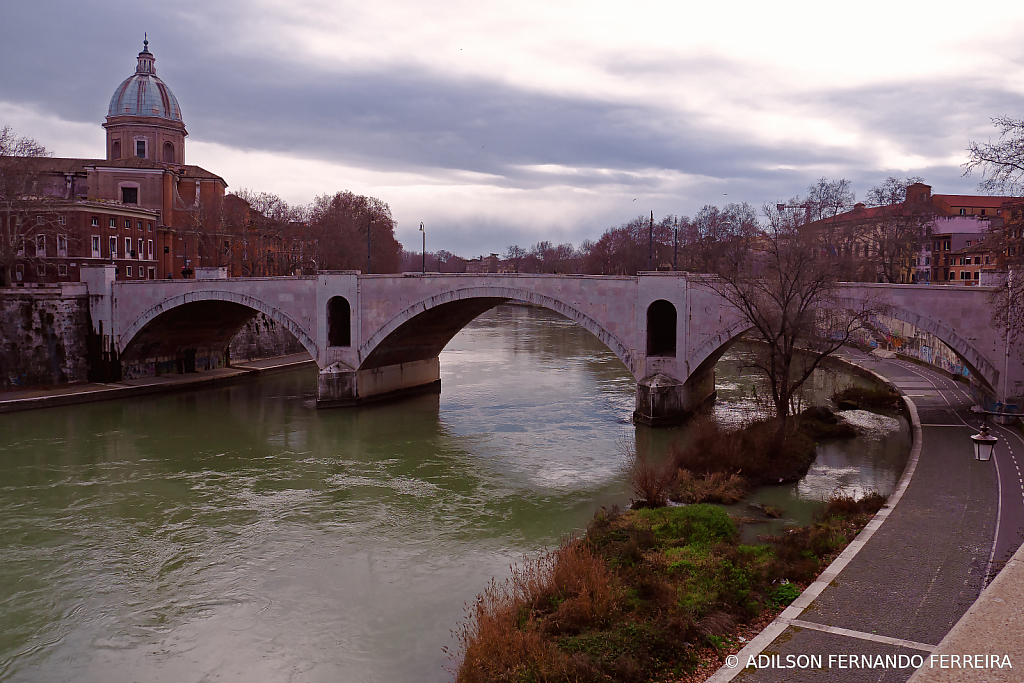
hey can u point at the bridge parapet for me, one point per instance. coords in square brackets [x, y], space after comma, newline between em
[377, 336]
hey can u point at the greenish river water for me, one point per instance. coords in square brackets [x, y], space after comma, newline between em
[238, 534]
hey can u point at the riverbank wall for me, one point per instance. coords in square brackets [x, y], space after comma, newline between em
[47, 340]
[43, 336]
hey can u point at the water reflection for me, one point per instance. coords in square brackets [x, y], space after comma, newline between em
[238, 533]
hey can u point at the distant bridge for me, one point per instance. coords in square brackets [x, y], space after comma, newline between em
[379, 336]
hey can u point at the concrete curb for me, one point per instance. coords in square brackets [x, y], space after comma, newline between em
[794, 610]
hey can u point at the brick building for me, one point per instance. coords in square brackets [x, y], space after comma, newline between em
[141, 208]
[941, 231]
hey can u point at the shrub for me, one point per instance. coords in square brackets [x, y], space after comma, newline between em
[700, 523]
[648, 481]
[752, 452]
[862, 397]
[716, 487]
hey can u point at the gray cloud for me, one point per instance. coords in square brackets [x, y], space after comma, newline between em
[67, 57]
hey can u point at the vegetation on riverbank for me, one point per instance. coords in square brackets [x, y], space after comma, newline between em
[874, 398]
[652, 594]
[721, 465]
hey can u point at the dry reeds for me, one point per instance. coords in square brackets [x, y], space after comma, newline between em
[717, 487]
[753, 452]
[647, 480]
[501, 639]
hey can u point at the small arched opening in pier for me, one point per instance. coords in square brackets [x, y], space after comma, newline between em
[339, 322]
[661, 329]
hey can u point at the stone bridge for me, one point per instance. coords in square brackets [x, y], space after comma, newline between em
[379, 336]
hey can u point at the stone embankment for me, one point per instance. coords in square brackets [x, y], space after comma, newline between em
[47, 340]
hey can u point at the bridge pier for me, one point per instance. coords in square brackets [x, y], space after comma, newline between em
[663, 401]
[338, 385]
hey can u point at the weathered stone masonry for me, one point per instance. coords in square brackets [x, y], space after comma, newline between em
[43, 336]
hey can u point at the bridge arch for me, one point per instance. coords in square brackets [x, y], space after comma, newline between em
[174, 303]
[422, 330]
[979, 366]
[713, 347]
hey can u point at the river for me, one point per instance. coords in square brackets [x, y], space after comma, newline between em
[238, 534]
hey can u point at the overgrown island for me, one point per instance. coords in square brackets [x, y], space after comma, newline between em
[664, 591]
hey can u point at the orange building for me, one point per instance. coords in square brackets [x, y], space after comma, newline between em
[141, 208]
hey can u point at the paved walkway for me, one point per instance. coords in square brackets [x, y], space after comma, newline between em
[911, 575]
[11, 401]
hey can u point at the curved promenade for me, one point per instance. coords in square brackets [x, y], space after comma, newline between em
[916, 569]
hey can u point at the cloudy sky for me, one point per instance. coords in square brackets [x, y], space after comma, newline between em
[510, 122]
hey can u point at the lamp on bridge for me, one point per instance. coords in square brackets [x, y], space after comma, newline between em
[984, 444]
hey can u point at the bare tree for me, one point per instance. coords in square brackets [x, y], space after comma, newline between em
[1002, 162]
[515, 255]
[1002, 167]
[826, 201]
[787, 293]
[894, 235]
[349, 228]
[25, 225]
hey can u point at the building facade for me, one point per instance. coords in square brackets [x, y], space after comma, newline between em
[141, 207]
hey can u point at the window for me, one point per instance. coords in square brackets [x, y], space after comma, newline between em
[149, 226]
[968, 243]
[936, 247]
[977, 260]
[140, 250]
[115, 150]
[19, 272]
[983, 212]
[95, 246]
[39, 220]
[62, 245]
[62, 220]
[95, 221]
[986, 260]
[41, 270]
[113, 223]
[127, 271]
[127, 247]
[168, 153]
[127, 224]
[113, 247]
[945, 245]
[927, 260]
[149, 250]
[62, 270]
[138, 226]
[976, 274]
[140, 149]
[40, 245]
[963, 212]
[130, 195]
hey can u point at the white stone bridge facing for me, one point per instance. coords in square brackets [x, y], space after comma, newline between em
[379, 336]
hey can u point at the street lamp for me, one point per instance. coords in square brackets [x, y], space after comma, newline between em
[675, 246]
[424, 252]
[185, 270]
[984, 444]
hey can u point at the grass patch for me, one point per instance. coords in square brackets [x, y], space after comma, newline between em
[645, 594]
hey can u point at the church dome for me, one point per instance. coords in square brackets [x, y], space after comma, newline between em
[143, 94]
